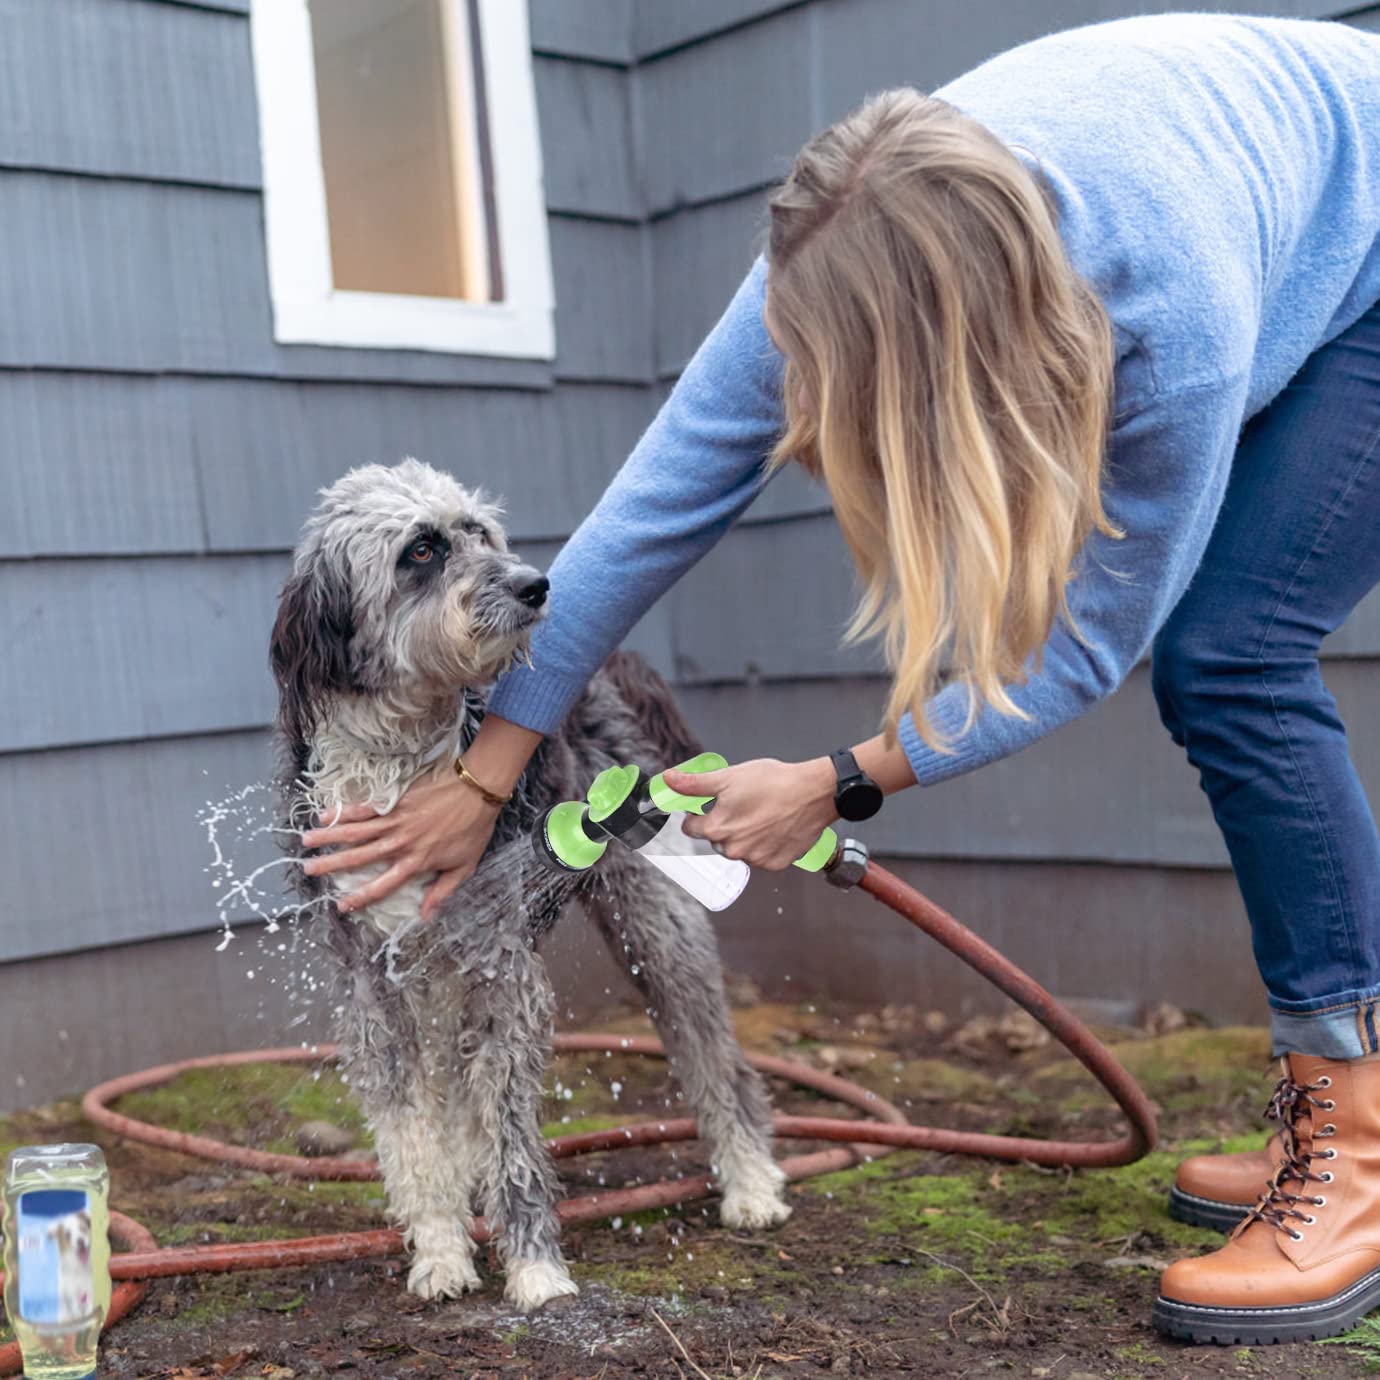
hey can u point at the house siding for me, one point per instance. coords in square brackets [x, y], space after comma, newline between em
[164, 449]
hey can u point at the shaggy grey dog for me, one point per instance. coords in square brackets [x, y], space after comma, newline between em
[404, 602]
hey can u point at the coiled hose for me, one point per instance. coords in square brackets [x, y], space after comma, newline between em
[886, 1128]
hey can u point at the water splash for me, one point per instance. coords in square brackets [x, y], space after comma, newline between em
[239, 828]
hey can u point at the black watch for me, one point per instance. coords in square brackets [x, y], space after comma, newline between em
[858, 796]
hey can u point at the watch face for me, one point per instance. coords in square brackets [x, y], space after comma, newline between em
[859, 800]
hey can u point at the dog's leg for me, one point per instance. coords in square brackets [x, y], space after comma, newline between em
[503, 1078]
[428, 1191]
[665, 941]
[413, 1112]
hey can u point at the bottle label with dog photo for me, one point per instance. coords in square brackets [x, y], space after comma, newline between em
[57, 1257]
[54, 1230]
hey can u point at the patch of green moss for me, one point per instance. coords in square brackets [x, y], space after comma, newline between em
[994, 1223]
[274, 1097]
[198, 1233]
[930, 1215]
[588, 1078]
[224, 1296]
[1188, 1069]
[9, 1139]
[923, 1080]
[1107, 1205]
[578, 1126]
[1140, 1353]
[303, 1195]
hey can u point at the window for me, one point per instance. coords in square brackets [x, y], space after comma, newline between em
[402, 175]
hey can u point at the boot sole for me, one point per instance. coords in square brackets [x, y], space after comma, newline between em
[1299, 1322]
[1205, 1212]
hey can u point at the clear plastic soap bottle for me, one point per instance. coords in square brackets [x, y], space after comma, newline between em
[57, 1257]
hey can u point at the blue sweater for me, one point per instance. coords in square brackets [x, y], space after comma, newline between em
[1217, 181]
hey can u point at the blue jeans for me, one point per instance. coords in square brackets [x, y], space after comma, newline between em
[1239, 686]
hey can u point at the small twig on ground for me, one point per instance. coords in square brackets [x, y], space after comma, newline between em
[750, 1241]
[1001, 1316]
[689, 1360]
[961, 1313]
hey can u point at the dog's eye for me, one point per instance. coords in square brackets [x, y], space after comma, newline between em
[420, 552]
[475, 529]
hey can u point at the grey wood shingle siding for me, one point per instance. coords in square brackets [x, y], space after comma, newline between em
[592, 171]
[129, 88]
[102, 846]
[159, 277]
[742, 136]
[127, 464]
[162, 449]
[600, 30]
[264, 449]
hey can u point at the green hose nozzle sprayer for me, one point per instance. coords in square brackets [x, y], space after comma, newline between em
[643, 813]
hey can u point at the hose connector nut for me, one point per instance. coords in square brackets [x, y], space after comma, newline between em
[846, 868]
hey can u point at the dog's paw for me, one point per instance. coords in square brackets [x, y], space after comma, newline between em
[760, 1209]
[442, 1276]
[537, 1282]
[755, 1198]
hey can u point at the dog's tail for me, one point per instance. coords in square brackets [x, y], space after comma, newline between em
[654, 707]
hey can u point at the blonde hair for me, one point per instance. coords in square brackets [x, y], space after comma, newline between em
[949, 377]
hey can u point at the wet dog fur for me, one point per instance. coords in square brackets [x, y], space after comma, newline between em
[404, 604]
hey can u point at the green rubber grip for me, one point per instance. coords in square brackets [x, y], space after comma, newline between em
[609, 790]
[669, 801]
[818, 857]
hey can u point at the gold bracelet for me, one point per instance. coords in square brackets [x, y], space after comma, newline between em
[463, 772]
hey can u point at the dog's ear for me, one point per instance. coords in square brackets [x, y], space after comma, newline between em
[310, 648]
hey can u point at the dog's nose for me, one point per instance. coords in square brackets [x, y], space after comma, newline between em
[531, 592]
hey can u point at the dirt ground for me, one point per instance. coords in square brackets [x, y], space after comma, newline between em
[913, 1265]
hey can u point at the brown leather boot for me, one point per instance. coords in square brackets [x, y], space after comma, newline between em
[1306, 1261]
[1219, 1190]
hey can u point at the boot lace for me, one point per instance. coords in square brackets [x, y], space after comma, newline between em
[1279, 1206]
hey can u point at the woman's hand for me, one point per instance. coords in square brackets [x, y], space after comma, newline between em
[767, 813]
[440, 825]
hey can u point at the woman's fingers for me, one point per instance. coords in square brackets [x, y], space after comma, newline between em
[442, 887]
[383, 885]
[331, 836]
[697, 782]
[346, 814]
[351, 857]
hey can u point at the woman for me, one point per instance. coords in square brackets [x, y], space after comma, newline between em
[1087, 350]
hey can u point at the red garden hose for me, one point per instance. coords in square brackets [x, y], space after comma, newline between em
[887, 1127]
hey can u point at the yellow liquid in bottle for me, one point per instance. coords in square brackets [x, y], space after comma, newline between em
[57, 1257]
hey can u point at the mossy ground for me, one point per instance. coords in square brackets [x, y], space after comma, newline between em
[909, 1265]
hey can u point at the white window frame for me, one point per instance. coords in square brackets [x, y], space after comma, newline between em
[307, 309]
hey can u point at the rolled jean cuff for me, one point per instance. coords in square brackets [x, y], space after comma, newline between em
[1346, 1030]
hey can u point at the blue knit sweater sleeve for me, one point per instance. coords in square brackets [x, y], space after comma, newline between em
[1167, 474]
[696, 468]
